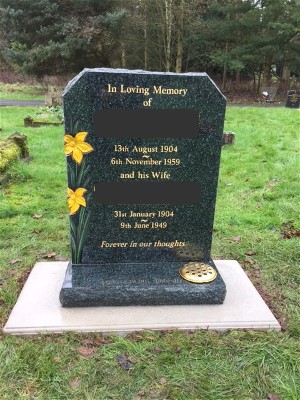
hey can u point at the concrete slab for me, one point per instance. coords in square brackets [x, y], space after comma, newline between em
[38, 309]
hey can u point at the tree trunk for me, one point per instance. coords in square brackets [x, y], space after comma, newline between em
[168, 30]
[225, 68]
[259, 81]
[146, 38]
[238, 77]
[123, 55]
[180, 37]
[145, 48]
[286, 73]
[267, 71]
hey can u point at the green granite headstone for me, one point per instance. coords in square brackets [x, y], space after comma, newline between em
[143, 153]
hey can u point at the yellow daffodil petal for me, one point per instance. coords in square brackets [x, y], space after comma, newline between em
[68, 149]
[80, 137]
[84, 147]
[70, 202]
[68, 138]
[77, 155]
[80, 192]
[76, 199]
[70, 192]
[81, 201]
[74, 208]
[77, 146]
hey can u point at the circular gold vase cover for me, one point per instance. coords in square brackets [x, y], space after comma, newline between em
[198, 272]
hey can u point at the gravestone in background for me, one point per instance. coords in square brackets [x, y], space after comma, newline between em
[293, 99]
[143, 152]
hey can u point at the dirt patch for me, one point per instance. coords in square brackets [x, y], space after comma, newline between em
[273, 298]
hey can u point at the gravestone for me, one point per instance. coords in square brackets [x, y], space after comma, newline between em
[293, 99]
[143, 152]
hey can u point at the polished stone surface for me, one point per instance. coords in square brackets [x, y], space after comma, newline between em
[136, 284]
[111, 233]
[38, 309]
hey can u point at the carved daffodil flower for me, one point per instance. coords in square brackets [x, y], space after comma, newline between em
[75, 200]
[77, 146]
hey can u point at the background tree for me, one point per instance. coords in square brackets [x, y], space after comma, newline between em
[240, 39]
[56, 37]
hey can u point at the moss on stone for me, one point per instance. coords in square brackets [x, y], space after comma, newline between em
[21, 141]
[11, 149]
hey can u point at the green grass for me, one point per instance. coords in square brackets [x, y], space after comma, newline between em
[258, 200]
[21, 92]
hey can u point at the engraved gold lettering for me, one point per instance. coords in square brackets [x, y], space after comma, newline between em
[169, 244]
[142, 175]
[165, 214]
[108, 244]
[119, 214]
[118, 148]
[149, 161]
[160, 175]
[134, 90]
[116, 161]
[111, 89]
[142, 214]
[139, 225]
[125, 225]
[129, 175]
[144, 150]
[168, 149]
[159, 225]
[169, 91]
[171, 161]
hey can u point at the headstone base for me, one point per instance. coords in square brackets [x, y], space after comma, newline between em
[38, 309]
[136, 284]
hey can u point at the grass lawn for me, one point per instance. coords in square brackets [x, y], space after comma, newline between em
[256, 223]
[21, 92]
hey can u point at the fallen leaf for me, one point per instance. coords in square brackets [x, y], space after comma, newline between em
[290, 234]
[162, 381]
[273, 397]
[86, 351]
[249, 261]
[11, 272]
[75, 383]
[37, 216]
[236, 239]
[250, 253]
[95, 342]
[140, 394]
[60, 258]
[124, 362]
[49, 255]
[157, 350]
[15, 261]
[37, 231]
[87, 342]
